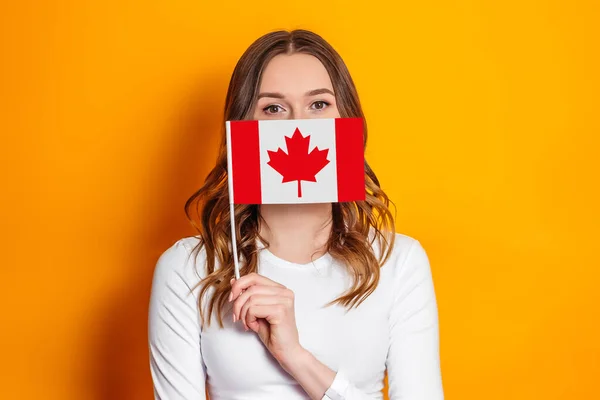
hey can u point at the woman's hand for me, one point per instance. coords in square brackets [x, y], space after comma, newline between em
[267, 308]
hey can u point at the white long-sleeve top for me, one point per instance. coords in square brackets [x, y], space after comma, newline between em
[395, 328]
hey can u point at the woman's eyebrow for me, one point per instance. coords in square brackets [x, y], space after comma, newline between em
[319, 91]
[271, 94]
[313, 92]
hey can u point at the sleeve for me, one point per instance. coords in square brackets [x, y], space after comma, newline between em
[413, 363]
[176, 365]
[342, 389]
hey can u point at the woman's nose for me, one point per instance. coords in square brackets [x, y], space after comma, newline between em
[299, 113]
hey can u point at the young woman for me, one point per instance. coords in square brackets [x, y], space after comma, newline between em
[329, 298]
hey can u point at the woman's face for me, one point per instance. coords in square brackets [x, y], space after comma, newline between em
[295, 86]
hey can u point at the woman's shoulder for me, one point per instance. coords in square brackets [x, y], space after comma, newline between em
[407, 255]
[180, 264]
[405, 245]
[181, 250]
[403, 242]
[400, 248]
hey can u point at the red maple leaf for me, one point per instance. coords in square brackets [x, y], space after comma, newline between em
[298, 164]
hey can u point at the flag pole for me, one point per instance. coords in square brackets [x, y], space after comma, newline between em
[236, 263]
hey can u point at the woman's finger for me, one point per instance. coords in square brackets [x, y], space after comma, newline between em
[259, 300]
[273, 313]
[253, 290]
[237, 286]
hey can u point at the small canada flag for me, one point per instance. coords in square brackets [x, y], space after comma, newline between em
[295, 161]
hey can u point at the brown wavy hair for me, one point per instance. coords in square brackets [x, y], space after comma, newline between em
[355, 225]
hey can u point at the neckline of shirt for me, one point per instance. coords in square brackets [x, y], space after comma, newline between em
[265, 254]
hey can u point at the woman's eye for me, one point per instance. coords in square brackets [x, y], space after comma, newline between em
[273, 109]
[319, 105]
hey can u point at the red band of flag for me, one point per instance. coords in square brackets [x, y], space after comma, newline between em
[349, 147]
[245, 154]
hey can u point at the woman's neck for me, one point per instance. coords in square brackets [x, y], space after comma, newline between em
[296, 232]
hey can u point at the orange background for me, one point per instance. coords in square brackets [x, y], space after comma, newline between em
[484, 130]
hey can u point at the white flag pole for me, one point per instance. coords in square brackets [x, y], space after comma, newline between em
[234, 241]
[236, 262]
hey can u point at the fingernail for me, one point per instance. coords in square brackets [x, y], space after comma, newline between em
[234, 318]
[230, 296]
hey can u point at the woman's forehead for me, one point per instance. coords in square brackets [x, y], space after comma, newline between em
[294, 74]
